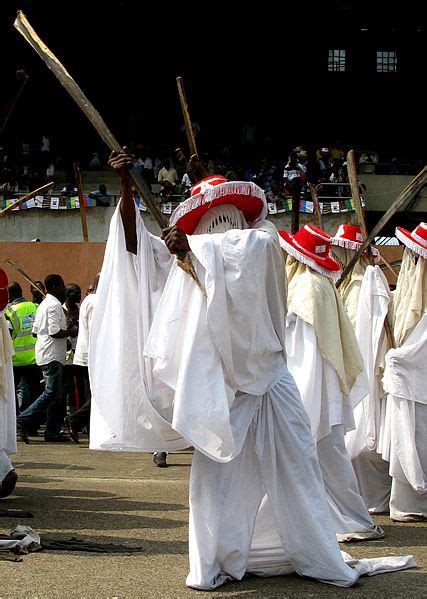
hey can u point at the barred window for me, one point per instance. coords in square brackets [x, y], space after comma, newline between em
[386, 61]
[336, 60]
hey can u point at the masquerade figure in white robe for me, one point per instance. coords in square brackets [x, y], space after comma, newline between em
[366, 297]
[325, 361]
[209, 370]
[8, 476]
[405, 380]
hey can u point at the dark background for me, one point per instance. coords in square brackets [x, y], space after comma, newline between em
[264, 63]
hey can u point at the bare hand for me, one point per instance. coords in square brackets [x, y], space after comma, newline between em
[175, 239]
[121, 162]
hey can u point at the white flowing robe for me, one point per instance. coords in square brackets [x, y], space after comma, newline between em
[7, 400]
[329, 409]
[364, 443]
[213, 375]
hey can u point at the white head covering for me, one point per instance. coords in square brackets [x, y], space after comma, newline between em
[220, 219]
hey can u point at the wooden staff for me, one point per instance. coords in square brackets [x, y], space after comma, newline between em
[400, 202]
[22, 25]
[26, 197]
[195, 166]
[23, 77]
[24, 274]
[82, 207]
[317, 211]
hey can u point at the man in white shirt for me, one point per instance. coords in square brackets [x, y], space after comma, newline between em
[50, 328]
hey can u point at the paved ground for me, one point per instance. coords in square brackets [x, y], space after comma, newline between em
[123, 498]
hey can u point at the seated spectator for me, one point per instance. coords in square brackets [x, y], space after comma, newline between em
[167, 173]
[186, 185]
[69, 189]
[367, 162]
[101, 196]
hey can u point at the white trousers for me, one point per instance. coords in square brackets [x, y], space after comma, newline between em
[348, 509]
[374, 481]
[278, 461]
[5, 464]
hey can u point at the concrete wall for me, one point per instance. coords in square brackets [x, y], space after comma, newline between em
[382, 190]
[65, 225]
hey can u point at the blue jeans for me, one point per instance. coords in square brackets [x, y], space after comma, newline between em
[50, 400]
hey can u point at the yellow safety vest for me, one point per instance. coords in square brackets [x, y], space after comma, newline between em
[21, 317]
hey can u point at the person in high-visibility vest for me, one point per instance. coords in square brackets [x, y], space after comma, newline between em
[20, 315]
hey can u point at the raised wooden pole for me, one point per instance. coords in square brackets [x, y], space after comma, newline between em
[26, 197]
[24, 274]
[22, 25]
[79, 185]
[317, 211]
[400, 202]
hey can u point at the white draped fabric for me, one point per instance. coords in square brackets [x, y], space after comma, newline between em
[405, 381]
[7, 407]
[330, 414]
[213, 375]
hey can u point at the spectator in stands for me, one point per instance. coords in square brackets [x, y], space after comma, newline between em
[325, 162]
[146, 165]
[50, 328]
[186, 185]
[267, 176]
[167, 174]
[337, 152]
[367, 162]
[292, 176]
[101, 196]
[69, 189]
[95, 162]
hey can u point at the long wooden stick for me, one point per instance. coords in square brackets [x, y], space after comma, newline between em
[24, 274]
[400, 202]
[317, 211]
[195, 166]
[26, 197]
[355, 193]
[24, 78]
[187, 120]
[22, 25]
[82, 207]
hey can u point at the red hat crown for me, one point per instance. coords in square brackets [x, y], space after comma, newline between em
[313, 240]
[204, 184]
[415, 241]
[420, 234]
[349, 232]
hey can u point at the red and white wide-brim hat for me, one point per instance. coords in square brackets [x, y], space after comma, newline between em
[351, 237]
[415, 241]
[311, 246]
[4, 295]
[214, 191]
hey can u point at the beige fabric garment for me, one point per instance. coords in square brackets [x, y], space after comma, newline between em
[6, 353]
[409, 300]
[350, 288]
[315, 299]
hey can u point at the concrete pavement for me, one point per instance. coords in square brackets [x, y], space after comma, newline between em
[124, 499]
